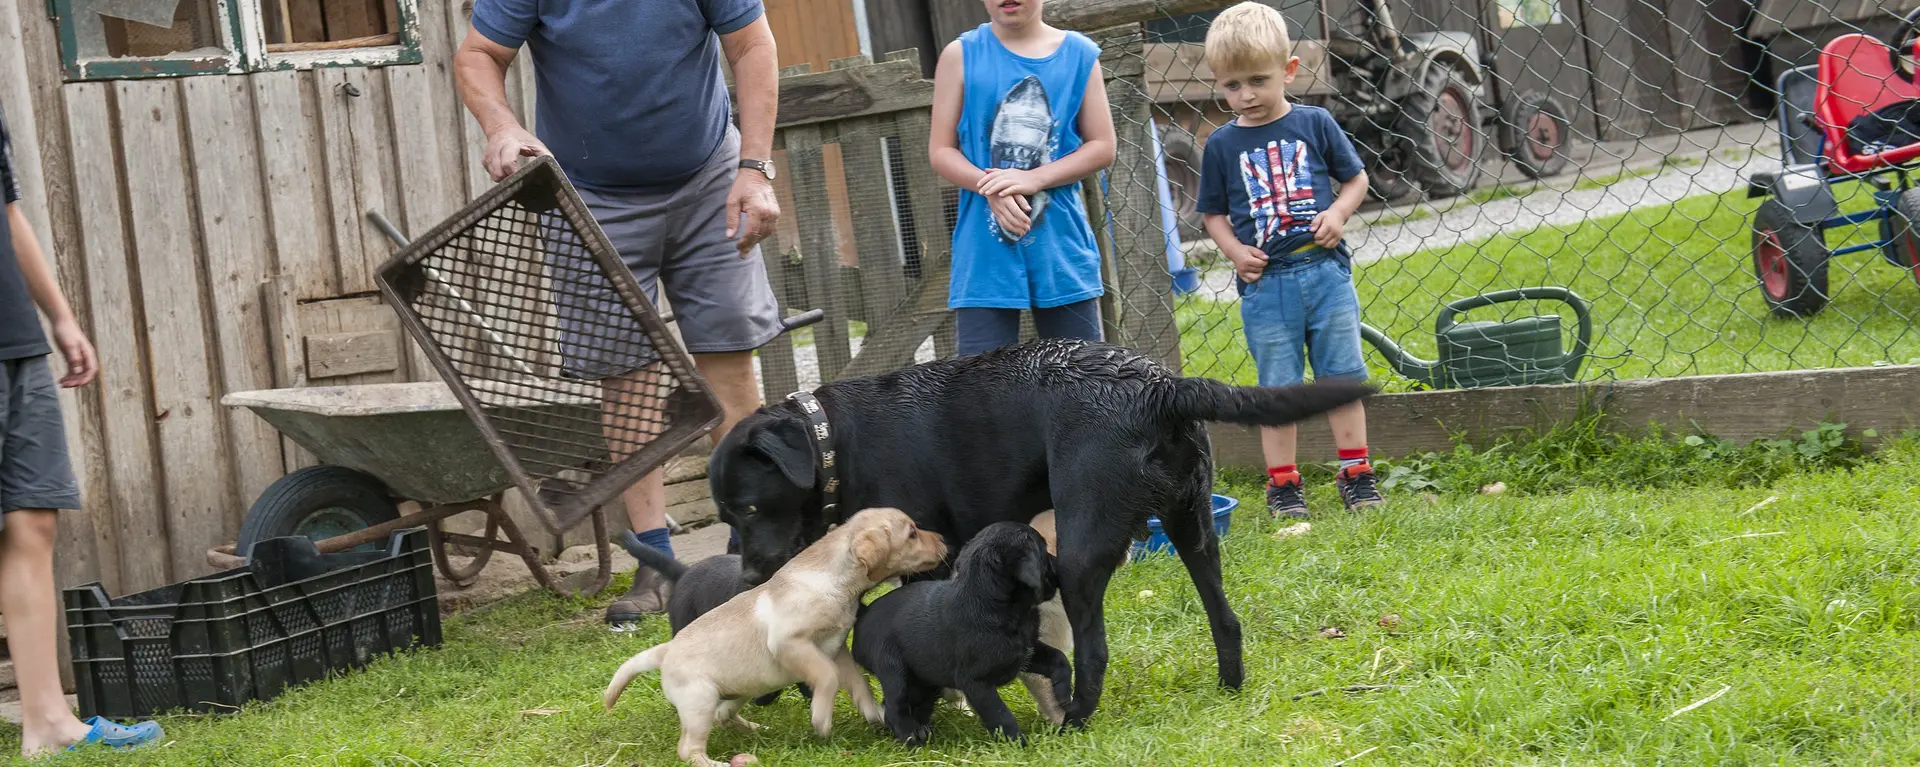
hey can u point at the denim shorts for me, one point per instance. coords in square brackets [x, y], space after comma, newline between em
[1300, 312]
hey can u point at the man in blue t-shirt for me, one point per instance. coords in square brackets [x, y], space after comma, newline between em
[1276, 188]
[632, 104]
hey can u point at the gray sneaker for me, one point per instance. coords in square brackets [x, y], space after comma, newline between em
[648, 596]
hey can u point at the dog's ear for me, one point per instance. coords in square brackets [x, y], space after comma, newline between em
[1036, 573]
[785, 444]
[870, 549]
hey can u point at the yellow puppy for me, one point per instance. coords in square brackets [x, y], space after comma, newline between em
[793, 628]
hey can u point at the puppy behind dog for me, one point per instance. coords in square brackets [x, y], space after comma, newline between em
[791, 628]
[1055, 632]
[697, 589]
[972, 633]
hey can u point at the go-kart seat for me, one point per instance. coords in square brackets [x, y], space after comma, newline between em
[1857, 76]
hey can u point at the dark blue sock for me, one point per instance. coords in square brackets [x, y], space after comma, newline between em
[659, 538]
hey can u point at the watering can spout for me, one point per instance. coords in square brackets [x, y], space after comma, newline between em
[1426, 372]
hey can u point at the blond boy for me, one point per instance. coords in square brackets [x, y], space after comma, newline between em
[1277, 186]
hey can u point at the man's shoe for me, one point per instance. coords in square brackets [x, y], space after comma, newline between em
[1357, 487]
[647, 597]
[1284, 499]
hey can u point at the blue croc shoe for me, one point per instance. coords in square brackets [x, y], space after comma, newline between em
[113, 735]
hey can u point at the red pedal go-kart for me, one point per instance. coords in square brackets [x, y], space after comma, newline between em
[1855, 74]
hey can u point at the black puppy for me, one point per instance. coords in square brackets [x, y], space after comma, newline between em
[1102, 435]
[697, 589]
[973, 633]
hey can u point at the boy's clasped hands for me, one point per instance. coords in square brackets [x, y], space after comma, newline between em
[1008, 192]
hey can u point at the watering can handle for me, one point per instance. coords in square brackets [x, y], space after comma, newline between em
[1582, 339]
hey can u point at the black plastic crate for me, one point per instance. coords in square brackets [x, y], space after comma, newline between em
[213, 643]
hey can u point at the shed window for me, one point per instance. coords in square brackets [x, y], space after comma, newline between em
[1529, 13]
[116, 39]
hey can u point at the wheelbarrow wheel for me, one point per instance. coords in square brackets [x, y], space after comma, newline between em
[1790, 260]
[318, 502]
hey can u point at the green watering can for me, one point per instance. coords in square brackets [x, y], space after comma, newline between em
[1494, 353]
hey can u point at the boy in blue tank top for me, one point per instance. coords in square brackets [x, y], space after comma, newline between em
[1276, 188]
[1019, 118]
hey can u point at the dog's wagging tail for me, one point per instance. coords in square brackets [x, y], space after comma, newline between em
[1204, 399]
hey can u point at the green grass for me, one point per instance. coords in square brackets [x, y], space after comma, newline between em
[1672, 289]
[1562, 622]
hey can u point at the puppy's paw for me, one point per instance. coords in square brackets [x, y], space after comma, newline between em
[741, 722]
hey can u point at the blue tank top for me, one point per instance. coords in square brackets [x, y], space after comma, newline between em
[1023, 113]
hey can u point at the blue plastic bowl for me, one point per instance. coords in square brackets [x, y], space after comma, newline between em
[1187, 281]
[1157, 542]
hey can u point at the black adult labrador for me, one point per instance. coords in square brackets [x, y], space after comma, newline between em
[1099, 433]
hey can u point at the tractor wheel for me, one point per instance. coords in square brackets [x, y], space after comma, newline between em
[1386, 170]
[1540, 132]
[1440, 126]
[318, 502]
[1790, 260]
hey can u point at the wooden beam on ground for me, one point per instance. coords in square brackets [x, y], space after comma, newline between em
[1741, 407]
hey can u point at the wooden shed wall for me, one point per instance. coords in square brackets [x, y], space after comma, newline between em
[203, 227]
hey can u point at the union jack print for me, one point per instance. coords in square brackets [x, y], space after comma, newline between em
[1279, 181]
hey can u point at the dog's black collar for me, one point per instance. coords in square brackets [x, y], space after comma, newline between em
[823, 451]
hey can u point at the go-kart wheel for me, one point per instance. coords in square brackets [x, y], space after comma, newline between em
[1790, 260]
[1901, 230]
[318, 502]
[1540, 133]
[1901, 44]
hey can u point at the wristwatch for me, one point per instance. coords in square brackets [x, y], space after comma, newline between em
[764, 166]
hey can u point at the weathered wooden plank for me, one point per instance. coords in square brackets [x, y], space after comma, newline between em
[289, 361]
[854, 91]
[818, 247]
[233, 230]
[341, 168]
[379, 183]
[424, 202]
[348, 316]
[779, 376]
[295, 183]
[137, 516]
[331, 355]
[1095, 14]
[876, 235]
[1740, 407]
[1139, 238]
[198, 486]
[466, 129]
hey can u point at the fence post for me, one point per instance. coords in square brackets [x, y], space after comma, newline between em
[1145, 303]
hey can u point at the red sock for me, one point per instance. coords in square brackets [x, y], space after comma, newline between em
[1353, 457]
[1281, 475]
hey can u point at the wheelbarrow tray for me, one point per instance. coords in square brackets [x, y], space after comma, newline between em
[415, 437]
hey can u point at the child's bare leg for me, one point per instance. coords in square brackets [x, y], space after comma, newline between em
[1278, 444]
[27, 599]
[1349, 424]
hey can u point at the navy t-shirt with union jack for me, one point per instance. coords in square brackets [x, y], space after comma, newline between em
[1271, 180]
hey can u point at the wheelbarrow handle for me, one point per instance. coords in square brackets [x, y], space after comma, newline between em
[803, 319]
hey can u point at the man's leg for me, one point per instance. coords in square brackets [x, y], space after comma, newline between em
[628, 400]
[27, 599]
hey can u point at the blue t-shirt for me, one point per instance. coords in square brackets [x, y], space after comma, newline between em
[1020, 112]
[20, 334]
[1271, 180]
[629, 92]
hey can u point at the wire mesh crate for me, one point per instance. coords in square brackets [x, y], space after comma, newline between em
[529, 315]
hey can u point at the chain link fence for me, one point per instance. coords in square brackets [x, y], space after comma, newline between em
[1628, 151]
[1683, 171]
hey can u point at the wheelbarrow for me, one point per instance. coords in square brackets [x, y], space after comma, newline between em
[379, 444]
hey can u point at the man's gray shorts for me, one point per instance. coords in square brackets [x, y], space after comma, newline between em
[34, 472]
[721, 301]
